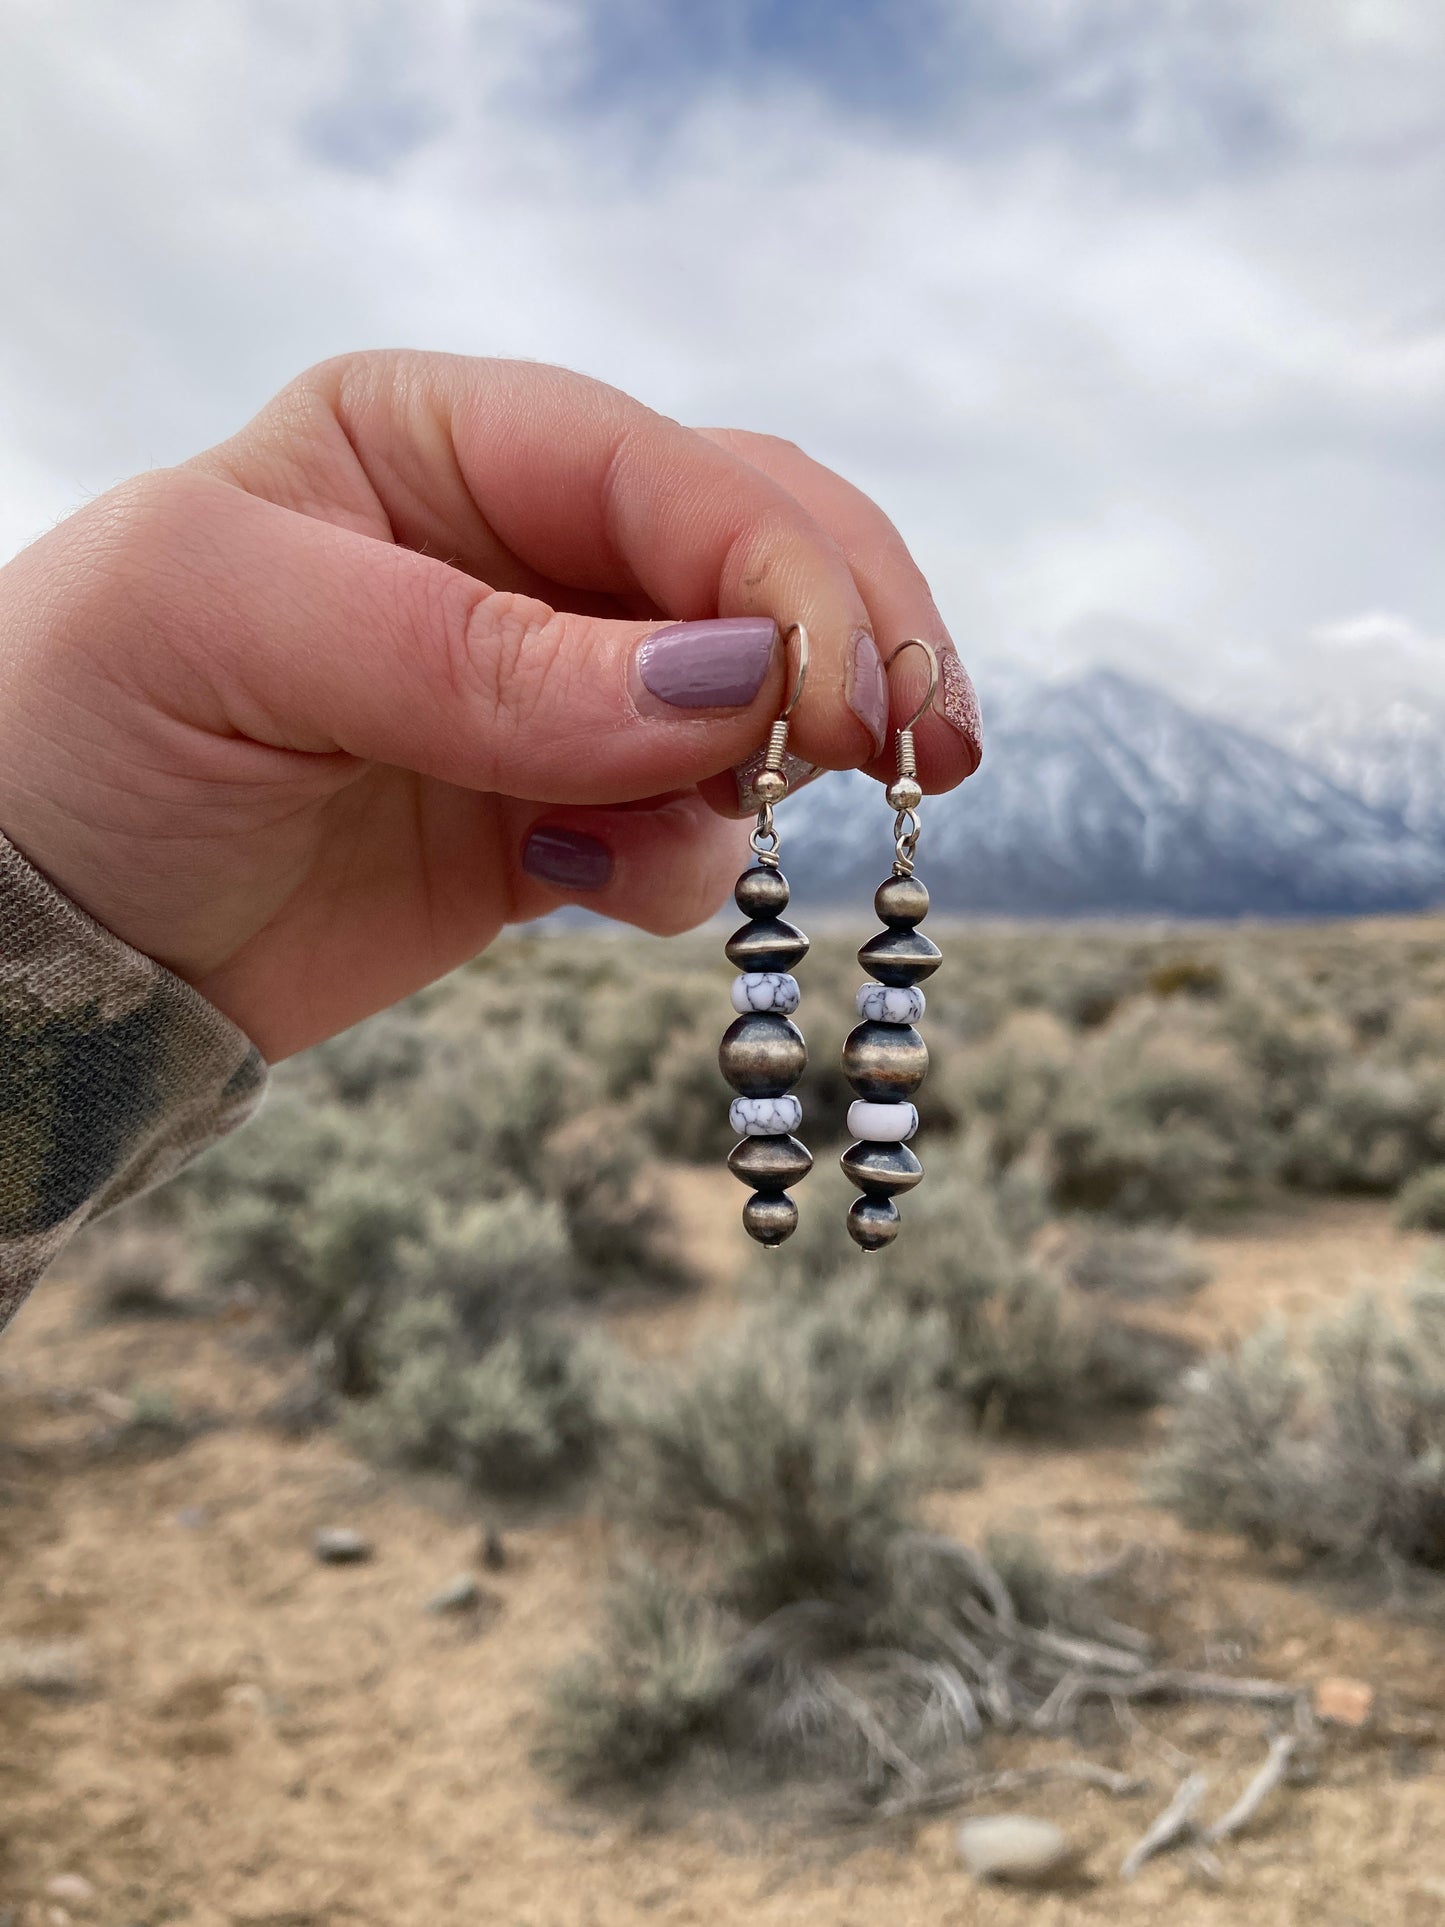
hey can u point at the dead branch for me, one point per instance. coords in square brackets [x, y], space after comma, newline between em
[1175, 1823]
[1282, 1749]
[985, 1786]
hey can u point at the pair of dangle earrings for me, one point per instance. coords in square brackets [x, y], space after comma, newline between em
[884, 1059]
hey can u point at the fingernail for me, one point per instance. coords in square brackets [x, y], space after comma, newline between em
[867, 687]
[958, 701]
[796, 768]
[567, 859]
[708, 665]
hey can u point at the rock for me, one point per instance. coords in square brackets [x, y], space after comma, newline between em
[341, 1546]
[73, 1887]
[459, 1595]
[1013, 1846]
[1344, 1702]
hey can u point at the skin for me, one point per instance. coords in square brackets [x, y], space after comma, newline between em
[284, 716]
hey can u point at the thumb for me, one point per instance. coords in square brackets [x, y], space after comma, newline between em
[306, 636]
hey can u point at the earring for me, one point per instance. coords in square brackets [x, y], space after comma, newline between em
[885, 1059]
[762, 1053]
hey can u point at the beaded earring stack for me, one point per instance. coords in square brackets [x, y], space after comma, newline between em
[763, 1054]
[885, 1060]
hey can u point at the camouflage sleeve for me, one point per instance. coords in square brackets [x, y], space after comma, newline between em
[112, 1073]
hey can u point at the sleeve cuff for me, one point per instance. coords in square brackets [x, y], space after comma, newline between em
[113, 1073]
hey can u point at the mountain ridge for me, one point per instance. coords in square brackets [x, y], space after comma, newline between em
[1105, 795]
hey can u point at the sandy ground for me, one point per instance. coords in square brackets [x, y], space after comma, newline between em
[266, 1742]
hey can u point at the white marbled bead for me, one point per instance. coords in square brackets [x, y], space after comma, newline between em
[881, 1123]
[766, 990]
[765, 1116]
[885, 1004]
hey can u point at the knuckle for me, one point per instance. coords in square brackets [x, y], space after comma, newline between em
[509, 657]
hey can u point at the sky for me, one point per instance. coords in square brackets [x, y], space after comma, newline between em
[1130, 312]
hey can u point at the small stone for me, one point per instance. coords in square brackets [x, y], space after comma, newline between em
[341, 1546]
[73, 1887]
[1344, 1702]
[1013, 1846]
[459, 1595]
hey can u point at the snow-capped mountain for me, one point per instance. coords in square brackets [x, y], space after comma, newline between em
[1390, 750]
[1104, 794]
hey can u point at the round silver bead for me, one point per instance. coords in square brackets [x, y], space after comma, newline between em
[885, 1062]
[905, 793]
[770, 786]
[770, 1216]
[762, 1056]
[761, 891]
[873, 1222]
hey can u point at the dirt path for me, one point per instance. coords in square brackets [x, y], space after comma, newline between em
[271, 1743]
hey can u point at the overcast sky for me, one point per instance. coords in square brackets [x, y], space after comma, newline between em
[1131, 312]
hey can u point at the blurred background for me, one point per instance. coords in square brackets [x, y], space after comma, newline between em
[430, 1504]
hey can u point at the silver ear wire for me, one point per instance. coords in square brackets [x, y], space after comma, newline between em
[771, 784]
[905, 793]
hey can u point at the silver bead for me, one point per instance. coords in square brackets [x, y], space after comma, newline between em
[762, 1056]
[771, 1163]
[873, 1222]
[761, 891]
[899, 957]
[901, 902]
[770, 1216]
[770, 786]
[766, 944]
[885, 1062]
[880, 1170]
[905, 793]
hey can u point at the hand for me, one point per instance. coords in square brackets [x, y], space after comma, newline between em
[311, 717]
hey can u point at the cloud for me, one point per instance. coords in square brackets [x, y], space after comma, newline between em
[1132, 316]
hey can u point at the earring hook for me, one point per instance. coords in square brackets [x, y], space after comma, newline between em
[771, 783]
[917, 642]
[795, 629]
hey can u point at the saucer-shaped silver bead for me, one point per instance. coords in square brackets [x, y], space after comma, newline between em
[762, 1055]
[771, 1163]
[885, 1062]
[881, 1170]
[767, 943]
[899, 957]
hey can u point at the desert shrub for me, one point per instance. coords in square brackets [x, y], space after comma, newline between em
[498, 1261]
[1338, 1454]
[630, 1026]
[1014, 1080]
[329, 1268]
[133, 1273]
[1421, 1205]
[655, 1684]
[1187, 977]
[620, 1231]
[371, 1058]
[683, 1112]
[753, 1456]
[1156, 1126]
[1136, 1263]
[1373, 1126]
[1291, 1051]
[518, 1418]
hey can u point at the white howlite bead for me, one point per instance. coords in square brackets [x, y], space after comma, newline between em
[766, 990]
[887, 1004]
[882, 1123]
[765, 1116]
